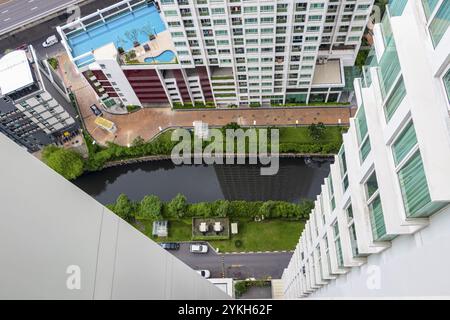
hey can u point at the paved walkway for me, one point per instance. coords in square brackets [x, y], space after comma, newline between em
[147, 123]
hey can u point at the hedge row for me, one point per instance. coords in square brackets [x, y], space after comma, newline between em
[151, 207]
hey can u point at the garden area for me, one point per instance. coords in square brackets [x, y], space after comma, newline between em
[263, 226]
[313, 139]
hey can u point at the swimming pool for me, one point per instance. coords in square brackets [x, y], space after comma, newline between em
[122, 29]
[165, 57]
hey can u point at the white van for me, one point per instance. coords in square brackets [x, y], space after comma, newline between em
[52, 40]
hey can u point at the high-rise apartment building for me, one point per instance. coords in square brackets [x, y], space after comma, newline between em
[34, 104]
[218, 52]
[380, 226]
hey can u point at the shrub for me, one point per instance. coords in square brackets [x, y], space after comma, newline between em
[177, 207]
[238, 243]
[150, 208]
[223, 209]
[317, 131]
[54, 63]
[133, 108]
[124, 208]
[67, 163]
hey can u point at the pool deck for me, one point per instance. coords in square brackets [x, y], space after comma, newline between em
[162, 43]
[122, 30]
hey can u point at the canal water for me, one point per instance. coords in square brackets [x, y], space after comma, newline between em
[296, 180]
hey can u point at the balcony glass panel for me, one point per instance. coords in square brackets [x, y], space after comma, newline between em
[396, 7]
[440, 22]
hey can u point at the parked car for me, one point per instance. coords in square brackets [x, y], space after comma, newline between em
[170, 246]
[204, 273]
[96, 110]
[50, 41]
[199, 248]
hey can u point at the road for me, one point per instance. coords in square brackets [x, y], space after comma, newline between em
[16, 13]
[36, 35]
[236, 266]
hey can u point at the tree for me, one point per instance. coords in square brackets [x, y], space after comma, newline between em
[67, 163]
[124, 208]
[177, 206]
[267, 208]
[317, 131]
[151, 208]
[224, 209]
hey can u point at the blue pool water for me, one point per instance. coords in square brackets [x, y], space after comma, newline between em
[165, 57]
[120, 29]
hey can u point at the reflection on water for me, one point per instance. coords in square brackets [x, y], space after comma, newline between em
[294, 181]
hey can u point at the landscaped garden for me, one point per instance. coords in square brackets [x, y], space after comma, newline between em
[315, 139]
[262, 226]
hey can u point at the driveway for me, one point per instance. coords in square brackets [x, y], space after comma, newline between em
[236, 266]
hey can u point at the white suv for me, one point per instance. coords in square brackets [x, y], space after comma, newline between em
[199, 248]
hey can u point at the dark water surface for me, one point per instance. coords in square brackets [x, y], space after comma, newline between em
[295, 181]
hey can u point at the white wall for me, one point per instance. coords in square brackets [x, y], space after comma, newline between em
[48, 224]
[415, 266]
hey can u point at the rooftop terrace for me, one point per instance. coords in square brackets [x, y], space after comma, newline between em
[126, 25]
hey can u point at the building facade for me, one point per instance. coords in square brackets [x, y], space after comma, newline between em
[59, 243]
[34, 104]
[380, 225]
[219, 52]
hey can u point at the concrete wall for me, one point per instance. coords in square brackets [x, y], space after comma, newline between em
[47, 225]
[415, 266]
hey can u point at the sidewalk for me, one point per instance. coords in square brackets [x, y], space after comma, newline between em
[146, 123]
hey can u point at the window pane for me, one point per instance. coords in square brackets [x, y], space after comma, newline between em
[404, 143]
[365, 150]
[377, 219]
[395, 99]
[371, 185]
[353, 240]
[361, 124]
[428, 7]
[414, 186]
[447, 84]
[440, 23]
[396, 7]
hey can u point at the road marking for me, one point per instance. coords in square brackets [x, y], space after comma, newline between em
[7, 19]
[6, 11]
[34, 8]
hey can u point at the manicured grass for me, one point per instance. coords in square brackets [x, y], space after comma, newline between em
[300, 135]
[268, 235]
[273, 235]
[179, 230]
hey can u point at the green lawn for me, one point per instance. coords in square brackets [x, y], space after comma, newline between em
[270, 235]
[179, 230]
[300, 135]
[273, 235]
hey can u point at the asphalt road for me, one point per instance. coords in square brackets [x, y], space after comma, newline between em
[37, 34]
[236, 266]
[14, 13]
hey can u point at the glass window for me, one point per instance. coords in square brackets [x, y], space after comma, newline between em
[377, 219]
[446, 80]
[352, 231]
[337, 243]
[371, 185]
[361, 124]
[396, 7]
[440, 22]
[428, 7]
[395, 99]
[413, 184]
[404, 143]
[331, 193]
